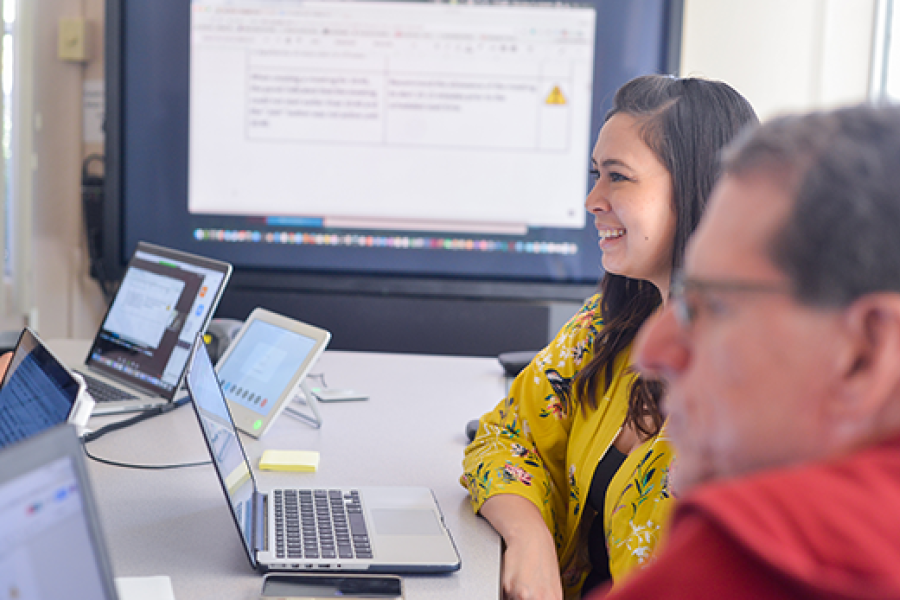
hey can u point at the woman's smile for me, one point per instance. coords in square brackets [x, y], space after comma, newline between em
[609, 236]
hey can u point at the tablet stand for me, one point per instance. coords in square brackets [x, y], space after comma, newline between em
[309, 400]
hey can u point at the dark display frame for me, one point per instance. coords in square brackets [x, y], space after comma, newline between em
[375, 309]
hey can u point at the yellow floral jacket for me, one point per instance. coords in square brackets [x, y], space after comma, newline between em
[539, 444]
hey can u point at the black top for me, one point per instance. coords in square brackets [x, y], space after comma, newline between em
[599, 557]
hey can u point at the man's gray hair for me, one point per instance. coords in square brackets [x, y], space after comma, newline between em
[842, 239]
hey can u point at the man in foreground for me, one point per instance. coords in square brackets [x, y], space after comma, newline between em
[780, 345]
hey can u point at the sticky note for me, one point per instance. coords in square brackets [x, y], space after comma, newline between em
[289, 460]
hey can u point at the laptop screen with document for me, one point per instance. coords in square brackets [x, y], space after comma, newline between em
[38, 392]
[166, 297]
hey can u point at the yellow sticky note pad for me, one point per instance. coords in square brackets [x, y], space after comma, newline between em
[289, 460]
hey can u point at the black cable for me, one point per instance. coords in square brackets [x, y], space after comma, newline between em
[92, 200]
[147, 414]
[114, 463]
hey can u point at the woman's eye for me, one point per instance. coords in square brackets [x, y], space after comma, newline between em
[613, 176]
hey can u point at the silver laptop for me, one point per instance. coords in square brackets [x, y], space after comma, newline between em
[373, 529]
[52, 544]
[38, 393]
[138, 356]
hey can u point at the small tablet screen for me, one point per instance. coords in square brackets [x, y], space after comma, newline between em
[262, 365]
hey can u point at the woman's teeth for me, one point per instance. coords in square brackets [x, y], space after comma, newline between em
[607, 234]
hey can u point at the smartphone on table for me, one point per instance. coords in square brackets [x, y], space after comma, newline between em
[283, 586]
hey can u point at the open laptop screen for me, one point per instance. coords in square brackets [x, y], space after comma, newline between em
[47, 523]
[166, 297]
[221, 437]
[37, 391]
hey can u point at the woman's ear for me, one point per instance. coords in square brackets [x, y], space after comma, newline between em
[870, 368]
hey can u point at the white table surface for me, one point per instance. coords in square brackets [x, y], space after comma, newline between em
[409, 432]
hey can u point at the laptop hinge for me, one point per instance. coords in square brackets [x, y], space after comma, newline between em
[260, 531]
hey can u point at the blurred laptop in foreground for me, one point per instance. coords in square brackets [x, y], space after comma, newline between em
[48, 523]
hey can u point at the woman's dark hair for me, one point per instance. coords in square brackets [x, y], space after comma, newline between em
[686, 122]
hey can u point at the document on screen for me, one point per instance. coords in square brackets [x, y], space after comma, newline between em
[391, 114]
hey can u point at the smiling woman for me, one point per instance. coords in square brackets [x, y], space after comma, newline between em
[636, 229]
[572, 468]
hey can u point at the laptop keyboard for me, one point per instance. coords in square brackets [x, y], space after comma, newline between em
[101, 391]
[320, 524]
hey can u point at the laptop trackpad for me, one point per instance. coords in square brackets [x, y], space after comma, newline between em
[405, 522]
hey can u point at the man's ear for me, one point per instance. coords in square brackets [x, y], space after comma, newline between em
[870, 368]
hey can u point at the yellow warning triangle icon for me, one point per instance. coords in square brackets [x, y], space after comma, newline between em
[556, 96]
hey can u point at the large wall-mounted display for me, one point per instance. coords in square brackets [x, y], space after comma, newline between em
[360, 160]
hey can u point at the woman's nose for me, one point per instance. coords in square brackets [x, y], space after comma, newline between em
[596, 199]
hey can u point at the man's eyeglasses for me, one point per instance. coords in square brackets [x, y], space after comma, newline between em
[683, 287]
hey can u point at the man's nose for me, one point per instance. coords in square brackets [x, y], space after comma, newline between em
[661, 348]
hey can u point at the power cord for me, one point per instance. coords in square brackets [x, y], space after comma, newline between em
[92, 204]
[147, 414]
[114, 463]
[142, 416]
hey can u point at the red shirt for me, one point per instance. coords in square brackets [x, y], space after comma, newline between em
[827, 530]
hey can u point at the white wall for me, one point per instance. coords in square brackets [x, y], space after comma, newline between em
[68, 303]
[784, 55]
